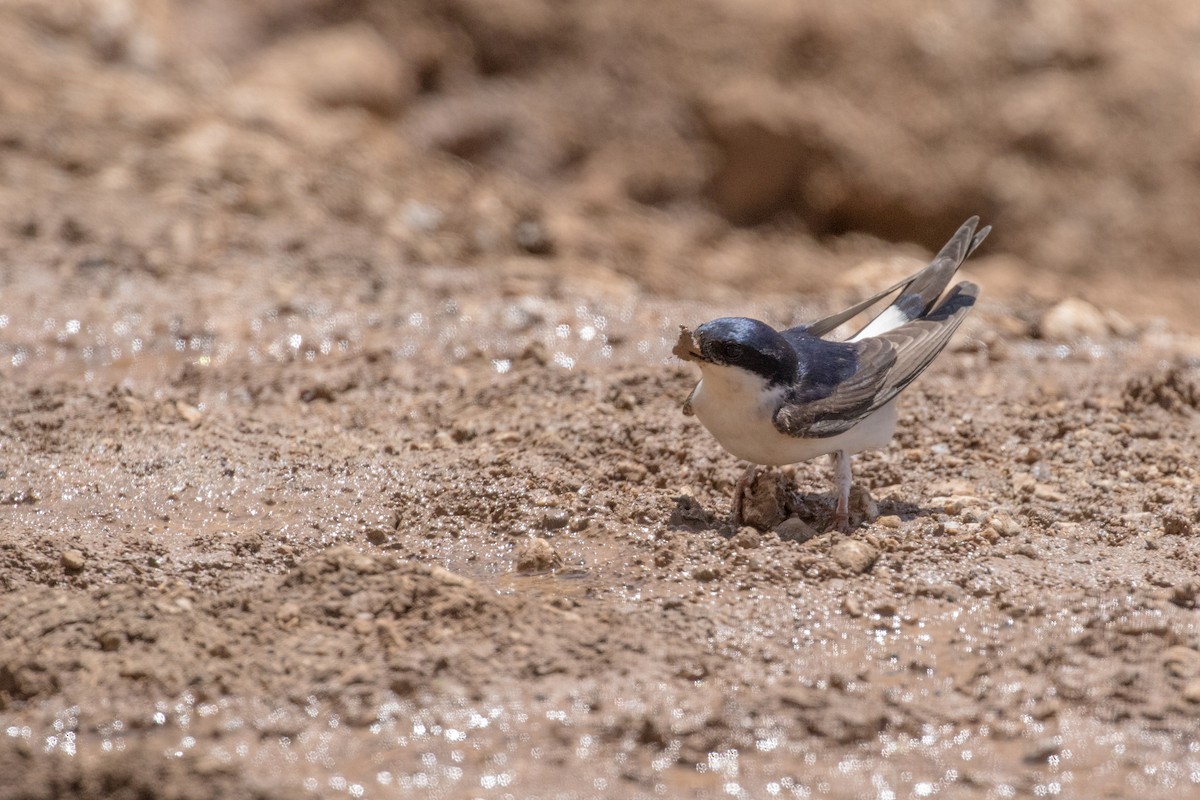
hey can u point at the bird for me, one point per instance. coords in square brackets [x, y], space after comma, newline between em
[776, 397]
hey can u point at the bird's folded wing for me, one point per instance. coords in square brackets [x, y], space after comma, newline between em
[886, 365]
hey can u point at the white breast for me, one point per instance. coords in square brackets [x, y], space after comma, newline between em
[737, 408]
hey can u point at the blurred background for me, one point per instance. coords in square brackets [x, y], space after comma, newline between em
[700, 148]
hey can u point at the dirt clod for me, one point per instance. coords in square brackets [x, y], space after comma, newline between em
[853, 555]
[73, 560]
[537, 555]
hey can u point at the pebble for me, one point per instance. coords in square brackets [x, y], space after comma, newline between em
[854, 555]
[73, 560]
[111, 640]
[348, 66]
[1004, 525]
[1182, 662]
[1191, 692]
[795, 529]
[376, 535]
[537, 555]
[747, 538]
[862, 503]
[890, 521]
[1073, 319]
[1176, 525]
[1048, 493]
[555, 518]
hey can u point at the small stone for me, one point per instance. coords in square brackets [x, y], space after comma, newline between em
[376, 535]
[889, 521]
[854, 555]
[531, 236]
[862, 504]
[852, 606]
[747, 538]
[625, 401]
[1073, 319]
[1041, 751]
[537, 555]
[1182, 662]
[188, 413]
[73, 560]
[1191, 692]
[288, 612]
[706, 573]
[794, 529]
[111, 641]
[352, 65]
[1176, 525]
[1048, 493]
[555, 518]
[1004, 525]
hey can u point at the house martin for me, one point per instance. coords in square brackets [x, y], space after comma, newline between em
[775, 397]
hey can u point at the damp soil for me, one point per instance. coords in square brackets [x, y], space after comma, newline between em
[341, 441]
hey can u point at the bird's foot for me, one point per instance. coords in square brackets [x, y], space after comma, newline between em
[841, 521]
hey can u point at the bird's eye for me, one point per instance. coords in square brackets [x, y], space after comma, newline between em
[732, 351]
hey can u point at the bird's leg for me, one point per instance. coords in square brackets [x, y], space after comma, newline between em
[740, 490]
[841, 513]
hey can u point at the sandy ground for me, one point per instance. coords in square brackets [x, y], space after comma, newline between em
[341, 445]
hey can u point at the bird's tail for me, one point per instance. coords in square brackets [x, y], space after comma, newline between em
[919, 294]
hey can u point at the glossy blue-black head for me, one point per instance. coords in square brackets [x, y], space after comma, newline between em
[749, 344]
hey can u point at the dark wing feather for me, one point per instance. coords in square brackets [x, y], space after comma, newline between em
[887, 364]
[919, 292]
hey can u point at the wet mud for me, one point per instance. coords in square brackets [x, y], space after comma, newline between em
[342, 445]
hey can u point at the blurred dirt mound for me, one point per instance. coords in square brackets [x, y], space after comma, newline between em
[611, 132]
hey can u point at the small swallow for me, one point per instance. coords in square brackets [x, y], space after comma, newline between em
[775, 397]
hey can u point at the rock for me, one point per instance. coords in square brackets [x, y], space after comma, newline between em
[188, 413]
[889, 521]
[862, 504]
[1191, 692]
[1048, 493]
[1073, 319]
[72, 560]
[555, 518]
[794, 529]
[854, 555]
[747, 538]
[537, 555]
[111, 641]
[531, 236]
[1004, 525]
[1176, 525]
[1182, 662]
[706, 573]
[376, 535]
[338, 67]
[766, 500]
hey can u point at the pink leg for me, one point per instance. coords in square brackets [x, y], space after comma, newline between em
[841, 513]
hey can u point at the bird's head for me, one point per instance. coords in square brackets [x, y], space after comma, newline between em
[743, 344]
